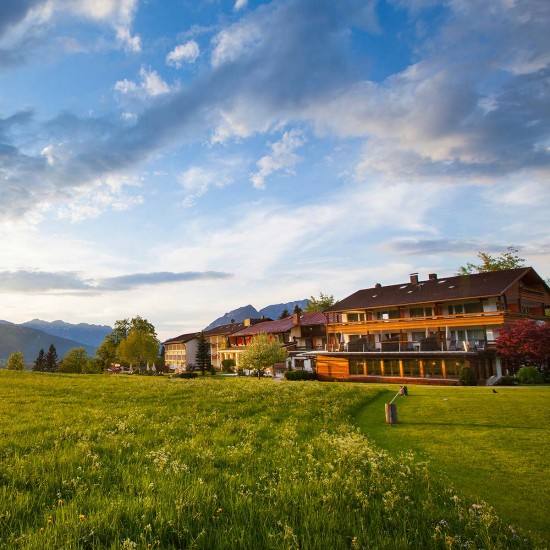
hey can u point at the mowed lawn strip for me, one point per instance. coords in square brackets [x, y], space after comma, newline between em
[491, 446]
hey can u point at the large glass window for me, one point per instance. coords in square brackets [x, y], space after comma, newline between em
[433, 368]
[391, 367]
[356, 365]
[453, 367]
[411, 367]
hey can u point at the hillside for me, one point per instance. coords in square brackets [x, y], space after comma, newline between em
[91, 335]
[28, 340]
[250, 312]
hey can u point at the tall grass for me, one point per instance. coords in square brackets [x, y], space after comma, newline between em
[131, 462]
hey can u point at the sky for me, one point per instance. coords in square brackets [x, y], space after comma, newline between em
[177, 159]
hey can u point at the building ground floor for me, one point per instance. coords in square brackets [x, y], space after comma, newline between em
[430, 367]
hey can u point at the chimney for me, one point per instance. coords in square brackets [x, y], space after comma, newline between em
[296, 318]
[432, 276]
[414, 278]
[246, 323]
[377, 285]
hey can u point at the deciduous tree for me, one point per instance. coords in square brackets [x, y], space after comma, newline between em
[262, 353]
[16, 361]
[525, 342]
[75, 361]
[139, 348]
[507, 259]
[320, 304]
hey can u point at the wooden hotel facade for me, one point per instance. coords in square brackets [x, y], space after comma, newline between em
[424, 331]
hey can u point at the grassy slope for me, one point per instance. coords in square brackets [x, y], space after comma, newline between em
[137, 462]
[491, 446]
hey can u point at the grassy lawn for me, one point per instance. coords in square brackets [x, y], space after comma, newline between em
[490, 446]
[128, 462]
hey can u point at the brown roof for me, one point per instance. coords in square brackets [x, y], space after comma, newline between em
[283, 325]
[230, 328]
[182, 338]
[478, 285]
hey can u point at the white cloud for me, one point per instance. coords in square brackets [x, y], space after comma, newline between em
[151, 85]
[233, 43]
[282, 158]
[240, 4]
[184, 53]
[98, 197]
[196, 181]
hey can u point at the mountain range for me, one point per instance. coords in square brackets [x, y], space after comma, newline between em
[32, 336]
[250, 312]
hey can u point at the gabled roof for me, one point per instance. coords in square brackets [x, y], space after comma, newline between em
[182, 339]
[283, 325]
[230, 328]
[457, 287]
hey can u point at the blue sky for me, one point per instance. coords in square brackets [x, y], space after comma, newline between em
[177, 159]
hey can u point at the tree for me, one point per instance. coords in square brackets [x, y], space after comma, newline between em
[139, 348]
[320, 304]
[262, 353]
[108, 351]
[228, 365]
[51, 359]
[508, 259]
[16, 361]
[40, 362]
[74, 361]
[525, 342]
[202, 357]
[284, 314]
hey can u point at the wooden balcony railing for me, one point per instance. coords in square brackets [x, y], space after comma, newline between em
[431, 321]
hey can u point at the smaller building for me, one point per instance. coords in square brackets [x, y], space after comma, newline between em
[180, 351]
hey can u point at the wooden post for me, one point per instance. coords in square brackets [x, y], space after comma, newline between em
[391, 413]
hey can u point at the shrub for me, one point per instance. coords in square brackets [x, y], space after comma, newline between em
[507, 381]
[228, 365]
[530, 375]
[467, 377]
[299, 375]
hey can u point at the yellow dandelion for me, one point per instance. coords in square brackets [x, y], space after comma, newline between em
[218, 510]
[60, 502]
[50, 520]
[81, 517]
[41, 529]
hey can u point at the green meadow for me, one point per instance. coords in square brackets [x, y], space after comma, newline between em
[493, 446]
[137, 462]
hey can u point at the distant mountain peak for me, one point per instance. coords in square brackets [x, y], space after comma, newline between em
[250, 312]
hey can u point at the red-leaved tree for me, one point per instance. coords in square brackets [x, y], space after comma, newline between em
[525, 342]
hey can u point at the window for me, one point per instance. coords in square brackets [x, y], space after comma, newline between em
[476, 307]
[391, 367]
[392, 314]
[355, 317]
[456, 309]
[453, 368]
[433, 368]
[420, 312]
[356, 366]
[411, 367]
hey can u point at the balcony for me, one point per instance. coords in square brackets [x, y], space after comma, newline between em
[426, 344]
[431, 321]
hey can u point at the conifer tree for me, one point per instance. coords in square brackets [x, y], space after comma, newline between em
[51, 359]
[40, 362]
[202, 357]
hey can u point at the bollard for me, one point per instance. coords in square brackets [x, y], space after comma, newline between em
[391, 413]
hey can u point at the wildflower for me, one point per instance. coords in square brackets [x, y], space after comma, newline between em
[50, 520]
[60, 502]
[218, 510]
[41, 529]
[81, 517]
